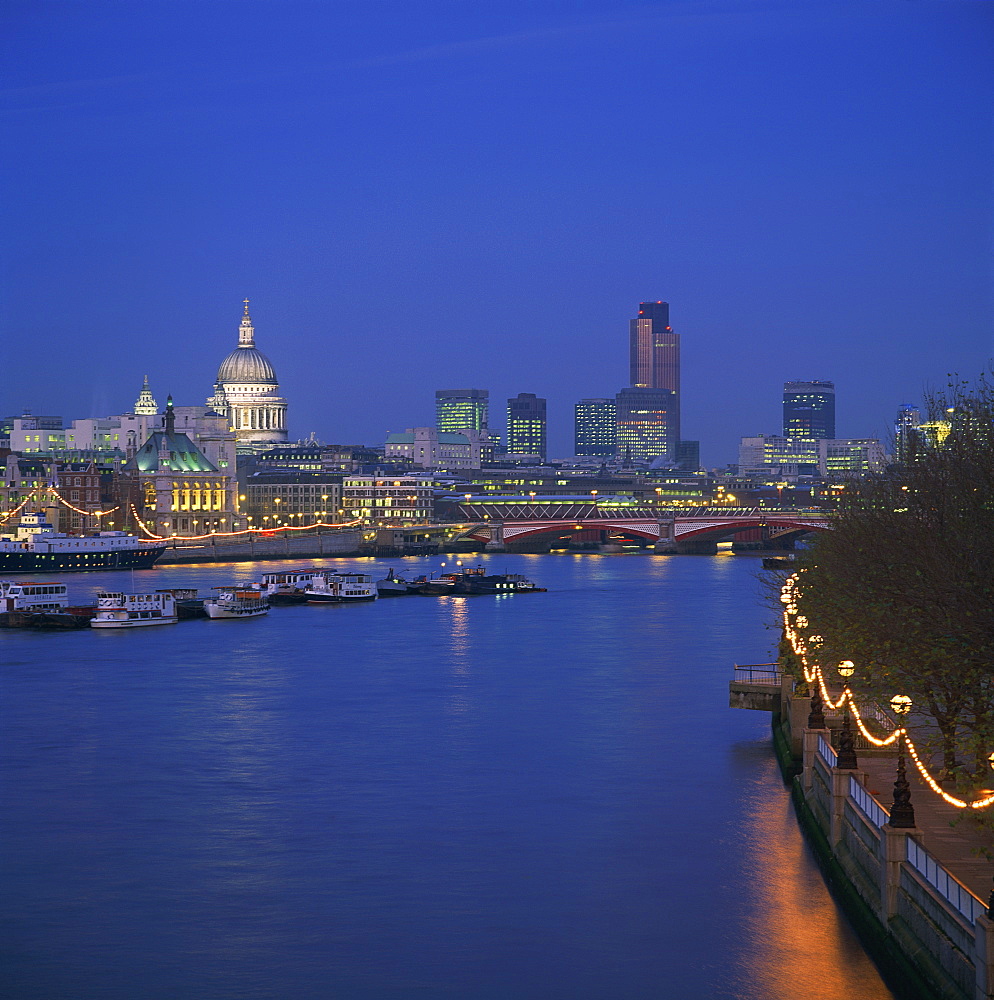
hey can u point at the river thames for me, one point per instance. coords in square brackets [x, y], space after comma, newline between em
[495, 797]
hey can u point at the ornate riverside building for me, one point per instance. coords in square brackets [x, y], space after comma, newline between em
[247, 393]
[172, 488]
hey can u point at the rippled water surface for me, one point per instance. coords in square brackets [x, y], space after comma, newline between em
[524, 796]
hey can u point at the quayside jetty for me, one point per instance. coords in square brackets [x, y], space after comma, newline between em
[915, 882]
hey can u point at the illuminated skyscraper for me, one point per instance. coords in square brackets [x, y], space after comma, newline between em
[458, 409]
[907, 433]
[809, 410]
[595, 427]
[644, 424]
[654, 351]
[526, 425]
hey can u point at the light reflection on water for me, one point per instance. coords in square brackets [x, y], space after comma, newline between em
[539, 795]
[798, 944]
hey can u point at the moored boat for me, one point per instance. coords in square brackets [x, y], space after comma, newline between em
[394, 586]
[188, 603]
[436, 586]
[39, 605]
[117, 610]
[287, 587]
[37, 547]
[778, 562]
[236, 602]
[18, 595]
[341, 588]
[477, 581]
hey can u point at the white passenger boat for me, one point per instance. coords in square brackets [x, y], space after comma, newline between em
[18, 596]
[134, 610]
[236, 602]
[287, 587]
[341, 588]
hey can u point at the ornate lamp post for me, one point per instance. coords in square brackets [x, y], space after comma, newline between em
[847, 752]
[902, 813]
[990, 902]
[816, 714]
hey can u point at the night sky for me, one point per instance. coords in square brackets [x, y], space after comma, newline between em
[423, 195]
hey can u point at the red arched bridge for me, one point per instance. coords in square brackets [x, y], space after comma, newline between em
[509, 522]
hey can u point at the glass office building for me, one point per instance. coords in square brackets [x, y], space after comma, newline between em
[526, 425]
[595, 430]
[459, 409]
[809, 410]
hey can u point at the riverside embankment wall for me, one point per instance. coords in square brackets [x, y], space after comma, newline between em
[285, 546]
[931, 936]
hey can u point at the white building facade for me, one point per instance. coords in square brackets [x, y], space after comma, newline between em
[429, 448]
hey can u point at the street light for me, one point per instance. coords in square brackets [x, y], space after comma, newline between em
[847, 752]
[902, 812]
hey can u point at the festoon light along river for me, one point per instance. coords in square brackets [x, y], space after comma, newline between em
[518, 796]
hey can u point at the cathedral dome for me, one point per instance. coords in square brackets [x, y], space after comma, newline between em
[246, 364]
[246, 393]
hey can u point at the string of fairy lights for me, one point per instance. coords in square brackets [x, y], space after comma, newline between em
[7, 515]
[794, 624]
[244, 531]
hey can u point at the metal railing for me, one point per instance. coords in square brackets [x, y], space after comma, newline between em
[826, 752]
[758, 673]
[948, 886]
[868, 805]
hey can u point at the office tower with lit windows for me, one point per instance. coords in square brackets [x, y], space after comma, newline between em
[907, 432]
[654, 354]
[526, 425]
[644, 424]
[459, 409]
[809, 410]
[595, 428]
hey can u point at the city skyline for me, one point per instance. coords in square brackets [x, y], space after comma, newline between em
[246, 379]
[451, 197]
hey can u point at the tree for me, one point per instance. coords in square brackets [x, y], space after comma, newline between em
[904, 584]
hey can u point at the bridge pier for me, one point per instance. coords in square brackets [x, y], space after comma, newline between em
[496, 543]
[666, 543]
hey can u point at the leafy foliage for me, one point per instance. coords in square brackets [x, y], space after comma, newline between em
[904, 585]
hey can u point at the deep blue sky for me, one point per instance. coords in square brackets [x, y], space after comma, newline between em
[451, 194]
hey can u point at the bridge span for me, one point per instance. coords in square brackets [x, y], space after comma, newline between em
[509, 523]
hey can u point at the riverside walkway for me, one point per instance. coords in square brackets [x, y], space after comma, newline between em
[954, 836]
[919, 893]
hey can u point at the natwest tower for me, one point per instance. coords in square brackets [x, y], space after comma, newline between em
[655, 355]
